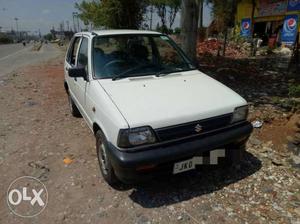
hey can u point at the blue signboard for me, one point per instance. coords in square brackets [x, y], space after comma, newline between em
[246, 27]
[293, 5]
[289, 30]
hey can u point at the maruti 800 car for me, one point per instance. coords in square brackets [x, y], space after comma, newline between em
[151, 110]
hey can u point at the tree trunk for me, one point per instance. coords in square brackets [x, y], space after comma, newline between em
[189, 28]
[225, 41]
[201, 3]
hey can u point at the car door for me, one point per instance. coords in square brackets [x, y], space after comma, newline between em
[80, 83]
[70, 62]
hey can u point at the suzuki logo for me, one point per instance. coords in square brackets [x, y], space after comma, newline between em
[198, 128]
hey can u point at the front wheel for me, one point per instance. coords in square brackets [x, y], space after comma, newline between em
[104, 161]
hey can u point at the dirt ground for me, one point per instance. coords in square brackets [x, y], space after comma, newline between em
[37, 132]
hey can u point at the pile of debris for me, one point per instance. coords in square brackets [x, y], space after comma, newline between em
[215, 47]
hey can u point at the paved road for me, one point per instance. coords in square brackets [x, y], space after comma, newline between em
[15, 56]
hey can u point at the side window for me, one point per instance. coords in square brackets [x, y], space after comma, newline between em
[83, 54]
[73, 50]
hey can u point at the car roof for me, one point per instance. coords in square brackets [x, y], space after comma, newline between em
[116, 32]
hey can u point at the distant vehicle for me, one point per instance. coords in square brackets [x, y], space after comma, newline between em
[148, 106]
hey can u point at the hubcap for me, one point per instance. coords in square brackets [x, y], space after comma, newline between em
[70, 103]
[103, 159]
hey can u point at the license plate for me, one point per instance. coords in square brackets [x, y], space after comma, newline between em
[190, 164]
[184, 166]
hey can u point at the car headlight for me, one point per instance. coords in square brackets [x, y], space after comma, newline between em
[240, 114]
[135, 137]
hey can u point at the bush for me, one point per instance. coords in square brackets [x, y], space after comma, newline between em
[5, 39]
[177, 30]
[294, 90]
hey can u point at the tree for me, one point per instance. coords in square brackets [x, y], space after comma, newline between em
[114, 14]
[48, 36]
[201, 4]
[223, 12]
[167, 11]
[224, 16]
[89, 12]
[174, 6]
[189, 27]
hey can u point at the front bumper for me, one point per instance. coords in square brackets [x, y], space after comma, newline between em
[126, 164]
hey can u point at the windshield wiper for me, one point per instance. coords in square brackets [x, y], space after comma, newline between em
[127, 74]
[165, 72]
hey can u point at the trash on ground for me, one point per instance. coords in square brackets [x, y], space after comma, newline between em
[257, 124]
[68, 160]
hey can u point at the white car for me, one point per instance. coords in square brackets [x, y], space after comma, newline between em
[148, 106]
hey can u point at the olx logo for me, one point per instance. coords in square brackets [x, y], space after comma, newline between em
[23, 196]
[27, 196]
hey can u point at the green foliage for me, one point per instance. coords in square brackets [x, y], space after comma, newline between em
[167, 11]
[164, 29]
[89, 12]
[223, 12]
[177, 30]
[294, 90]
[4, 39]
[114, 14]
[48, 36]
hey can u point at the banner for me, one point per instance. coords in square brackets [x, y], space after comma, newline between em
[294, 5]
[246, 27]
[271, 7]
[289, 30]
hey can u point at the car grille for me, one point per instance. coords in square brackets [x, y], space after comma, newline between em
[192, 128]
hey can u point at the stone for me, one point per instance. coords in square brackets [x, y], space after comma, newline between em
[255, 141]
[277, 162]
[297, 211]
[296, 160]
[295, 139]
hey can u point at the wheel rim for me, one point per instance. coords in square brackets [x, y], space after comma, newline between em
[70, 104]
[103, 159]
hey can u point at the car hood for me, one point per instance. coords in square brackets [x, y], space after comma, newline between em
[170, 100]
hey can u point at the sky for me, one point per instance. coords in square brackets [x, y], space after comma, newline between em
[44, 14]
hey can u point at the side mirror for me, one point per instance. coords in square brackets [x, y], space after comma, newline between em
[78, 72]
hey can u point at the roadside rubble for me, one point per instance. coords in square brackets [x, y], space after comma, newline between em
[213, 46]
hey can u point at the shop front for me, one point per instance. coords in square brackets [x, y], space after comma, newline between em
[271, 20]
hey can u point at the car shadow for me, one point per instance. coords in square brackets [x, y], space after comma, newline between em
[169, 190]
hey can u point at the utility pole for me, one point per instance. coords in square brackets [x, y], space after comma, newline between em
[68, 25]
[77, 16]
[76, 21]
[74, 25]
[17, 27]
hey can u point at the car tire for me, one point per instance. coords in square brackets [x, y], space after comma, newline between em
[106, 168]
[73, 108]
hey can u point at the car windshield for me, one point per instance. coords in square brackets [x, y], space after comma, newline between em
[120, 56]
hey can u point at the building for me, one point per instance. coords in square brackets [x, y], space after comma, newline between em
[267, 17]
